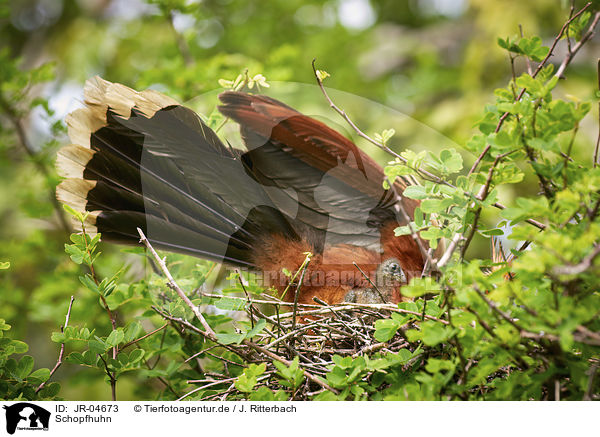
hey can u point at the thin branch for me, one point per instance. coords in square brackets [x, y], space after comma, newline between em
[581, 267]
[354, 306]
[497, 310]
[267, 302]
[370, 282]
[145, 336]
[174, 286]
[297, 292]
[276, 357]
[559, 36]
[527, 61]
[62, 348]
[250, 305]
[450, 250]
[111, 377]
[585, 38]
[24, 142]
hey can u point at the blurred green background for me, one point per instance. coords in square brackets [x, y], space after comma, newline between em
[435, 62]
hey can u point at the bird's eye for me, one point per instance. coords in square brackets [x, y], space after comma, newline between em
[394, 267]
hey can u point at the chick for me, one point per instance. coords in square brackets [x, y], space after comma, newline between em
[388, 278]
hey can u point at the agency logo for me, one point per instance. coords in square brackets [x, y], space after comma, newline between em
[26, 417]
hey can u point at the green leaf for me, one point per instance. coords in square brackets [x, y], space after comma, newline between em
[41, 375]
[533, 86]
[132, 331]
[97, 346]
[89, 282]
[228, 338]
[25, 366]
[57, 337]
[4, 265]
[258, 327]
[435, 333]
[72, 212]
[452, 161]
[76, 254]
[136, 355]
[415, 192]
[230, 304]
[115, 337]
[20, 347]
[385, 329]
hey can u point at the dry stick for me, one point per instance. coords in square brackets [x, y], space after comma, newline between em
[191, 392]
[351, 306]
[274, 356]
[337, 316]
[197, 354]
[266, 302]
[535, 73]
[174, 286]
[292, 333]
[319, 308]
[370, 282]
[62, 348]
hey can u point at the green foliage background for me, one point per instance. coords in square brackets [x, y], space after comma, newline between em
[439, 66]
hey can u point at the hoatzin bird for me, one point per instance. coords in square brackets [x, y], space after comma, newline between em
[140, 159]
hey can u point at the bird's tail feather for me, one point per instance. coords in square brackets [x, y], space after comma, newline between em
[139, 159]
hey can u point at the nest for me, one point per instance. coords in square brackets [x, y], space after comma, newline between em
[316, 336]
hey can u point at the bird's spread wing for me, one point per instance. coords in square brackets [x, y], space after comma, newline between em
[338, 188]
